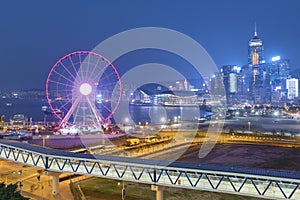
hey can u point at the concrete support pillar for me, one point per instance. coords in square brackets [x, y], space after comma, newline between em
[55, 181]
[159, 191]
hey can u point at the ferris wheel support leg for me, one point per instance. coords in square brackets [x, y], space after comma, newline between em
[94, 112]
[69, 113]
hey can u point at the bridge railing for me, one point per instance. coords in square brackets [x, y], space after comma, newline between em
[189, 178]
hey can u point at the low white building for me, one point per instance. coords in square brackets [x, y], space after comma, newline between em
[292, 88]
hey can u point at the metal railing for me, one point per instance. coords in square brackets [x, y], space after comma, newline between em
[152, 172]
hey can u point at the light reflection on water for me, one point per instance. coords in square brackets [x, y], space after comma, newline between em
[151, 114]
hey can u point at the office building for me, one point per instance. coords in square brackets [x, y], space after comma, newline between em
[292, 88]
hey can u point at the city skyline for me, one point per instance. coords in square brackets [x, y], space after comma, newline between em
[35, 35]
[153, 99]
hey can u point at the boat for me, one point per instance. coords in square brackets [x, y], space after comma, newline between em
[8, 104]
[48, 111]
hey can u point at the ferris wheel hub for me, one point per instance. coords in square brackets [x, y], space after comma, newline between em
[85, 89]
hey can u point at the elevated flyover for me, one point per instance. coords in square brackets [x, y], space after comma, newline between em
[261, 183]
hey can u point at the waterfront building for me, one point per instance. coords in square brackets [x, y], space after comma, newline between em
[292, 88]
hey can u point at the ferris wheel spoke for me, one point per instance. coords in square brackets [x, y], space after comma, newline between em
[67, 70]
[91, 111]
[107, 84]
[94, 68]
[81, 76]
[87, 66]
[67, 92]
[107, 77]
[94, 110]
[76, 110]
[59, 83]
[63, 76]
[95, 77]
[65, 104]
[69, 113]
[63, 88]
[108, 109]
[75, 70]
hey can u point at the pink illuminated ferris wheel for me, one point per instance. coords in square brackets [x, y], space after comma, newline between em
[85, 87]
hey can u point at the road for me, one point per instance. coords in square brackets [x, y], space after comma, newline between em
[264, 124]
[32, 187]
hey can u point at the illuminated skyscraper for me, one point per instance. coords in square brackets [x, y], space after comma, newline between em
[279, 71]
[258, 79]
[255, 50]
[231, 79]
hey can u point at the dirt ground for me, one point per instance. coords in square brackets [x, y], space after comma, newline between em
[258, 156]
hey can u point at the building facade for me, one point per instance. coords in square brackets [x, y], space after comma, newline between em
[292, 88]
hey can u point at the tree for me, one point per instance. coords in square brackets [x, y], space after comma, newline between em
[10, 192]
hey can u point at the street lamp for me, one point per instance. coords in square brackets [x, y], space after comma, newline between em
[123, 193]
[20, 181]
[249, 124]
[44, 139]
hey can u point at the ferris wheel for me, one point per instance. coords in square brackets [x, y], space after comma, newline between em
[85, 87]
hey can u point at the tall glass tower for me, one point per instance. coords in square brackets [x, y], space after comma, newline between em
[258, 78]
[255, 50]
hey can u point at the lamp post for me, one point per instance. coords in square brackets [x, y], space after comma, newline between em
[20, 181]
[249, 126]
[44, 139]
[123, 193]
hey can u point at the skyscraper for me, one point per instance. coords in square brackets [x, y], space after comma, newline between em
[255, 50]
[279, 71]
[232, 79]
[258, 78]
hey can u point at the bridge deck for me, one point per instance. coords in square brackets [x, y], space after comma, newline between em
[262, 183]
[156, 163]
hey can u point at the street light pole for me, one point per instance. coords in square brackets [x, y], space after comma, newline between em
[123, 192]
[44, 140]
[249, 124]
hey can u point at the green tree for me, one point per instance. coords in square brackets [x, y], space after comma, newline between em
[10, 192]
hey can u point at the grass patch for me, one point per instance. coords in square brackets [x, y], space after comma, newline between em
[106, 189]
